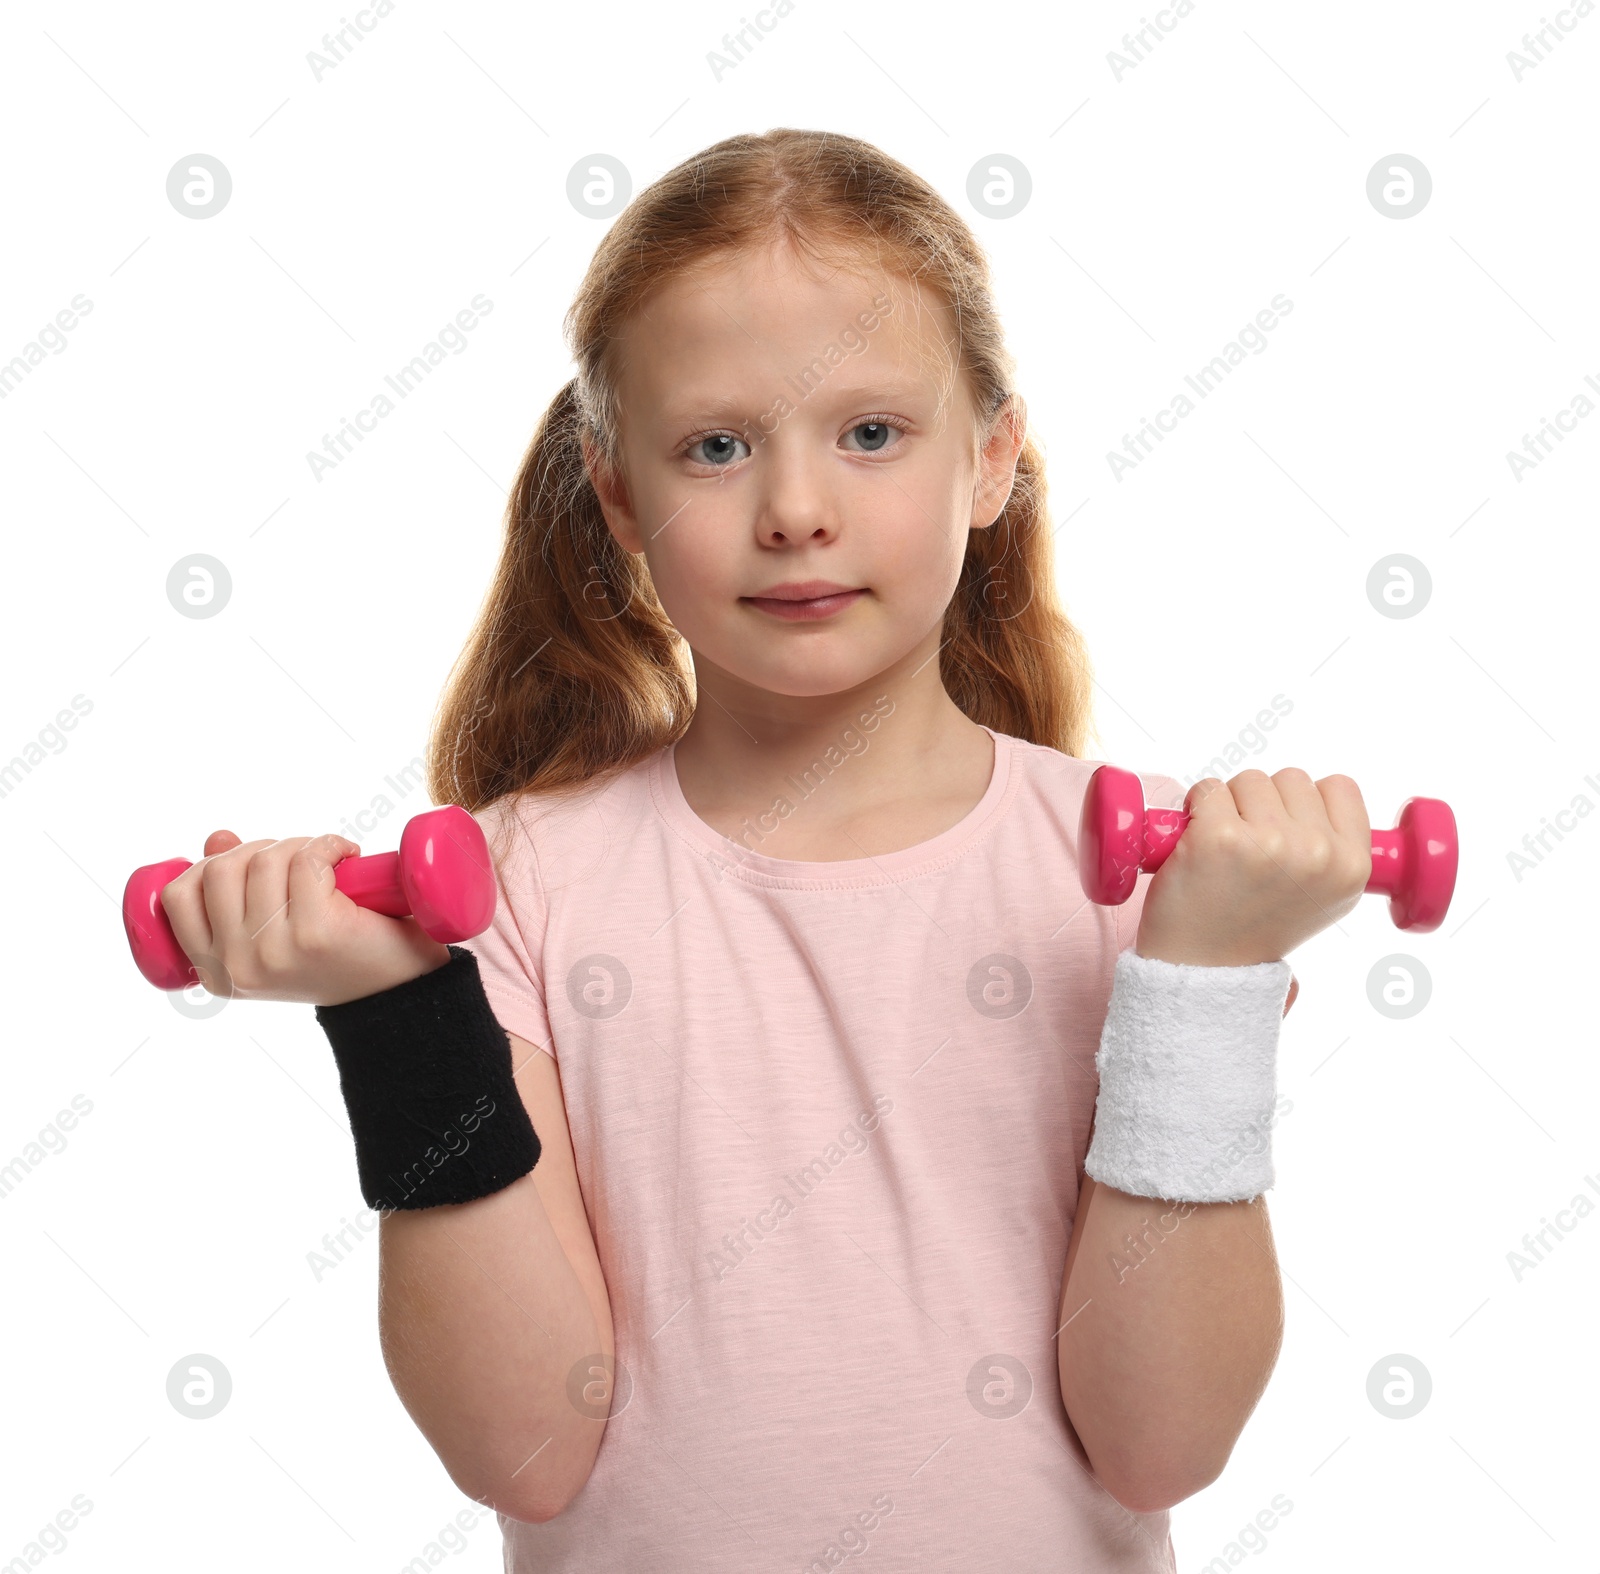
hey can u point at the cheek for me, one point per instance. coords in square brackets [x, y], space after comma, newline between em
[924, 507]
[693, 563]
[918, 547]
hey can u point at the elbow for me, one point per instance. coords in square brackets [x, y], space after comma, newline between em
[518, 1493]
[530, 1507]
[529, 1504]
[1151, 1497]
[1150, 1491]
[529, 1513]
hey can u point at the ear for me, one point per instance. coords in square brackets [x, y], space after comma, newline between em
[615, 504]
[997, 462]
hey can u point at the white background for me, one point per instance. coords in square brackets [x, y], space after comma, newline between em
[1167, 209]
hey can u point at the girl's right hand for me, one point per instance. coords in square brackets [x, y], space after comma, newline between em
[265, 921]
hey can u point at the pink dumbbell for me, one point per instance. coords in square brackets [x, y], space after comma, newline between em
[1414, 865]
[441, 876]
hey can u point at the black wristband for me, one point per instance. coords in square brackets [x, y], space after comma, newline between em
[425, 1069]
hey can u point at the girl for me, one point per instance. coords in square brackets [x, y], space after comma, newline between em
[802, 994]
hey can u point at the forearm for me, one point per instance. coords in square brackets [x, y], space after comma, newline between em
[1170, 1324]
[484, 1322]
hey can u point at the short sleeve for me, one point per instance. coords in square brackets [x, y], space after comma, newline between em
[510, 950]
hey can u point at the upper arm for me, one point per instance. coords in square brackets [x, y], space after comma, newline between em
[509, 953]
[556, 1176]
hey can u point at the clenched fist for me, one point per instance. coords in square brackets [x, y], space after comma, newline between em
[1264, 863]
[264, 921]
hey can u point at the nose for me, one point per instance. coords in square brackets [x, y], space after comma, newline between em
[797, 502]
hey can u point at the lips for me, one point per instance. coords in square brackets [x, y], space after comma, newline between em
[802, 590]
[804, 609]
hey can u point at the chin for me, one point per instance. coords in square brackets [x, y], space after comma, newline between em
[803, 680]
[811, 686]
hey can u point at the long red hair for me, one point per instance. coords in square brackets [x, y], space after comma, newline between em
[573, 669]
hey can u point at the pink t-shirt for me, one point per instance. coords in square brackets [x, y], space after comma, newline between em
[829, 1121]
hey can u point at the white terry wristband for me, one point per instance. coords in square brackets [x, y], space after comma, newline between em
[1188, 1079]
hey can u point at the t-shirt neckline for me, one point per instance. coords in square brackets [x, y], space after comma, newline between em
[879, 869]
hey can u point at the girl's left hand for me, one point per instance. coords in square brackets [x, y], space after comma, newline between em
[1264, 863]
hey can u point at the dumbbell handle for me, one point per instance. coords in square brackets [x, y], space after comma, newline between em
[372, 880]
[1163, 827]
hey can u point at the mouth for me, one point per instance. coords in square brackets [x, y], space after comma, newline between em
[804, 609]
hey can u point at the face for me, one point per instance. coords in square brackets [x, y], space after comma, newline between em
[781, 429]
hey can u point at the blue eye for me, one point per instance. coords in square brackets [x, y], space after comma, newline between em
[879, 438]
[723, 454]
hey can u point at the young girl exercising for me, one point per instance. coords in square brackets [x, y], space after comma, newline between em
[799, 1167]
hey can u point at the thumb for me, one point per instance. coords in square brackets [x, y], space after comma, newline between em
[220, 842]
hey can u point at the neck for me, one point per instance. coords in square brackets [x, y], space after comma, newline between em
[837, 755]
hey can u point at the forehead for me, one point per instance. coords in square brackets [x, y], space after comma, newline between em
[766, 314]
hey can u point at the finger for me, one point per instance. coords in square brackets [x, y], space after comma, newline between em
[222, 879]
[1347, 810]
[266, 887]
[1301, 798]
[311, 873]
[1209, 796]
[1257, 798]
[1265, 817]
[220, 842]
[183, 901]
